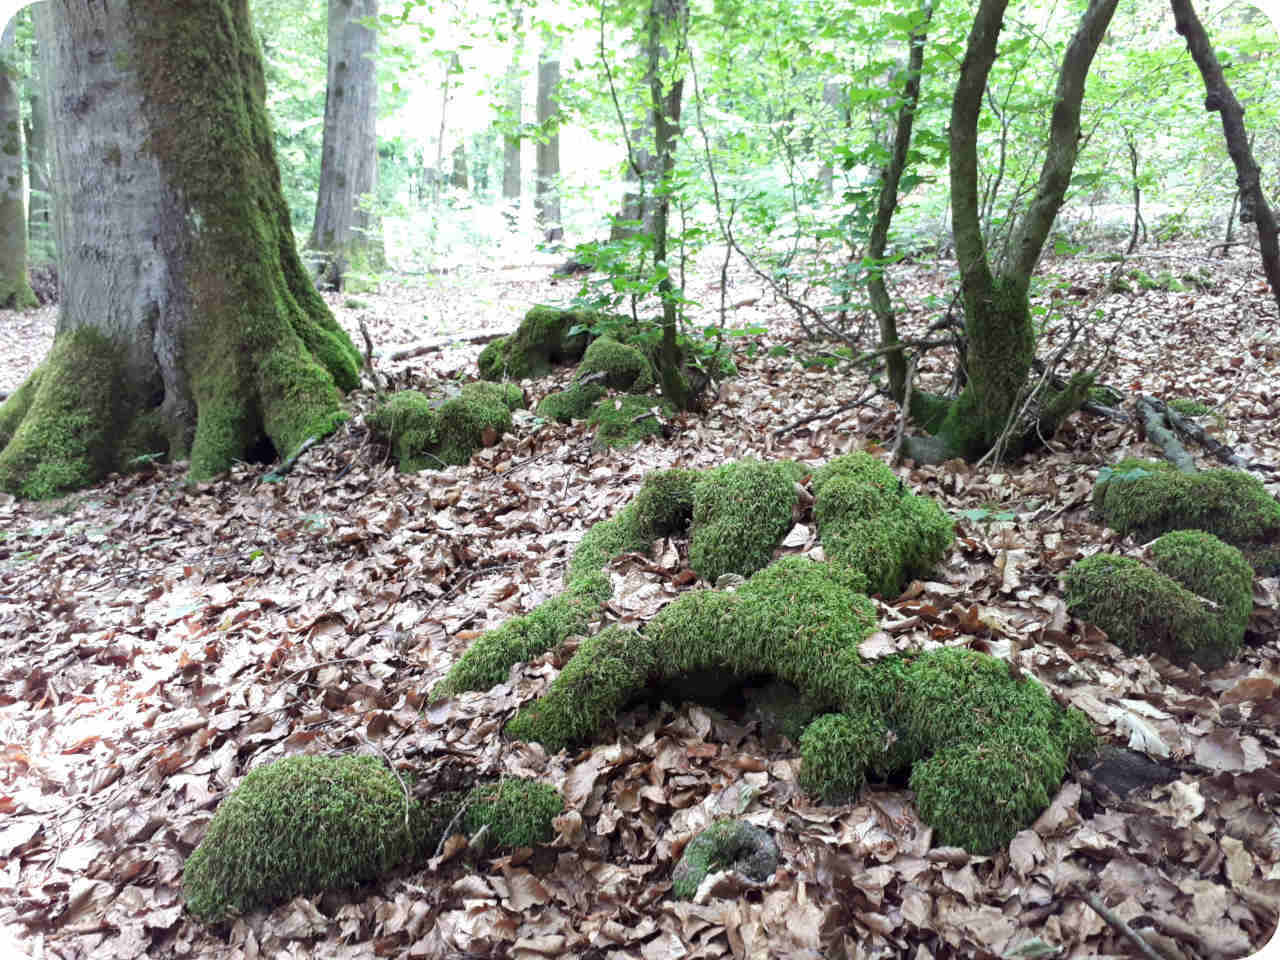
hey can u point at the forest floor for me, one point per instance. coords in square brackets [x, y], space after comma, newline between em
[158, 641]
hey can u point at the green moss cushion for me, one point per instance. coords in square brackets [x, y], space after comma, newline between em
[297, 826]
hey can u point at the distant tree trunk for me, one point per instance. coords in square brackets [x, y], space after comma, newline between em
[636, 215]
[458, 179]
[512, 138]
[1001, 338]
[345, 233]
[890, 177]
[547, 196]
[836, 100]
[15, 283]
[436, 174]
[1219, 97]
[39, 163]
[188, 324]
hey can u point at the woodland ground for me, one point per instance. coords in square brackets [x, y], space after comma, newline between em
[158, 641]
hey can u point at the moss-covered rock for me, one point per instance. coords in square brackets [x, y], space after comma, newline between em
[1149, 497]
[297, 826]
[426, 432]
[515, 812]
[1163, 610]
[546, 336]
[725, 845]
[623, 366]
[490, 658]
[627, 419]
[873, 524]
[741, 512]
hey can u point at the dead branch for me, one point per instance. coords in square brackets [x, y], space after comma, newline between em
[1123, 928]
[860, 402]
[1152, 414]
[442, 343]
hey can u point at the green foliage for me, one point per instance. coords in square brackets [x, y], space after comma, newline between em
[1161, 611]
[516, 811]
[1190, 407]
[298, 826]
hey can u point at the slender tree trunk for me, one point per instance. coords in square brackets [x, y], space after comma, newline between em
[512, 139]
[345, 233]
[1137, 193]
[836, 100]
[890, 177]
[39, 160]
[187, 324]
[1001, 339]
[1220, 98]
[547, 198]
[666, 20]
[15, 284]
[458, 179]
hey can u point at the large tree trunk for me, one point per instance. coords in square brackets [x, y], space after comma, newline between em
[15, 284]
[188, 325]
[1001, 340]
[547, 196]
[1219, 97]
[344, 237]
[39, 162]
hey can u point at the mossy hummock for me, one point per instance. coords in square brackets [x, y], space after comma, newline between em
[426, 432]
[1149, 497]
[515, 812]
[626, 420]
[725, 845]
[298, 826]
[1164, 610]
[546, 336]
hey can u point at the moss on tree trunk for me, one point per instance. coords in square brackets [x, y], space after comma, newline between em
[211, 340]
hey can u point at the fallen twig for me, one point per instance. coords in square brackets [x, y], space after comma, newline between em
[1123, 928]
[862, 401]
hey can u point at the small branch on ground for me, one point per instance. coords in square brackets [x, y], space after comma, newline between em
[282, 471]
[1152, 414]
[822, 414]
[442, 343]
[1123, 928]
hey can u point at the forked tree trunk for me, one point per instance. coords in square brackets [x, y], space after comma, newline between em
[547, 196]
[1219, 97]
[344, 237]
[188, 325]
[1001, 339]
[15, 284]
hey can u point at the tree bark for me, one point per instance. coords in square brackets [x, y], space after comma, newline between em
[458, 179]
[1220, 98]
[511, 139]
[188, 325]
[344, 237]
[1001, 339]
[890, 177]
[547, 197]
[15, 284]
[40, 241]
[835, 99]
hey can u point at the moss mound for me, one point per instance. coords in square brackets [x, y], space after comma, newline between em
[1160, 610]
[1150, 497]
[837, 750]
[725, 845]
[546, 336]
[297, 826]
[741, 512]
[574, 403]
[623, 366]
[516, 812]
[872, 523]
[425, 432]
[628, 419]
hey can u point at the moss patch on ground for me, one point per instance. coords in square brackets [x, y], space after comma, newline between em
[574, 403]
[297, 826]
[725, 845]
[515, 812]
[1149, 497]
[425, 432]
[628, 419]
[741, 512]
[873, 524]
[1163, 610]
